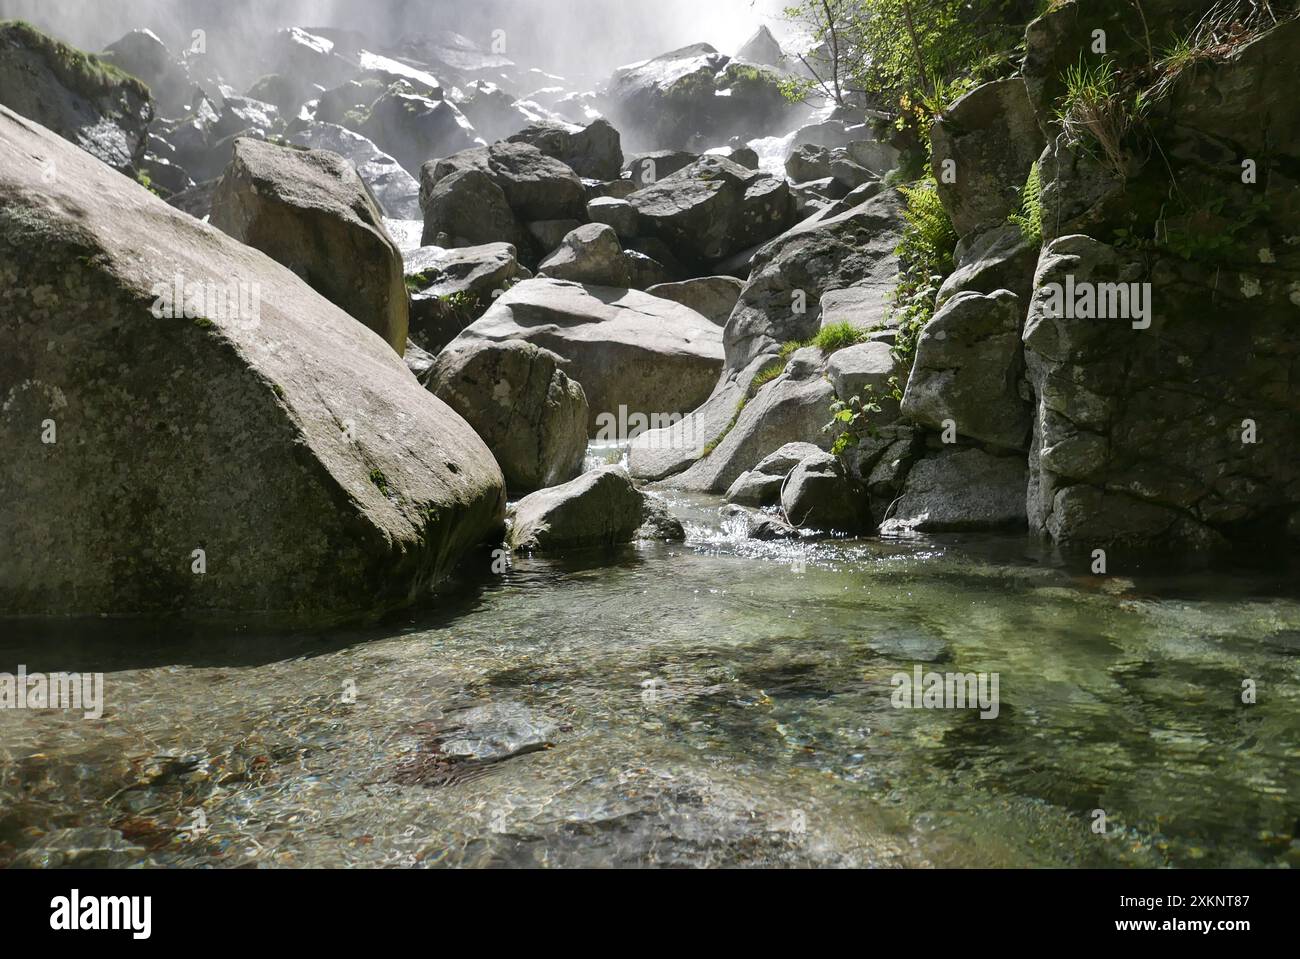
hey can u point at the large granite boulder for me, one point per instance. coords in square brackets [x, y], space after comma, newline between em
[961, 490]
[518, 399]
[781, 301]
[536, 186]
[253, 453]
[598, 509]
[594, 152]
[988, 139]
[819, 494]
[311, 211]
[711, 296]
[144, 56]
[969, 371]
[696, 94]
[414, 129]
[630, 351]
[451, 288]
[395, 190]
[84, 99]
[468, 208]
[714, 208]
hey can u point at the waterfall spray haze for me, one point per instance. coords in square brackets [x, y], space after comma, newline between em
[570, 37]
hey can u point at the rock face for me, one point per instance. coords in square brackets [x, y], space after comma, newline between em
[395, 190]
[992, 139]
[309, 210]
[854, 249]
[631, 352]
[536, 186]
[590, 254]
[969, 370]
[144, 56]
[532, 417]
[714, 208]
[695, 93]
[1150, 410]
[819, 494]
[319, 480]
[761, 486]
[811, 162]
[80, 97]
[468, 208]
[711, 296]
[961, 490]
[647, 168]
[412, 128]
[450, 289]
[598, 509]
[594, 152]
[762, 48]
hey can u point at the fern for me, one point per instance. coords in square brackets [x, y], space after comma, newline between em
[1030, 217]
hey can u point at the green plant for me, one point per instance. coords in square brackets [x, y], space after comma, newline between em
[1030, 217]
[380, 481]
[838, 336]
[1095, 110]
[925, 261]
[851, 419]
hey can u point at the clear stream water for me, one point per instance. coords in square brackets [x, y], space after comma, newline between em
[717, 702]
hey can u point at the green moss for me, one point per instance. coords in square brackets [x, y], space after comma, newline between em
[380, 482]
[75, 68]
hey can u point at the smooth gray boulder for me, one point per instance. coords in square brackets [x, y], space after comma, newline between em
[412, 128]
[616, 213]
[309, 210]
[644, 169]
[590, 254]
[144, 56]
[961, 490]
[244, 447]
[594, 152]
[781, 300]
[969, 371]
[518, 399]
[991, 137]
[451, 288]
[997, 259]
[395, 190]
[812, 162]
[819, 494]
[598, 509]
[711, 296]
[84, 99]
[468, 208]
[536, 186]
[762, 48]
[791, 408]
[631, 352]
[714, 208]
[762, 485]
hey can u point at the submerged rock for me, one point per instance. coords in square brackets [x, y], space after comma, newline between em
[85, 100]
[257, 454]
[309, 210]
[518, 399]
[600, 508]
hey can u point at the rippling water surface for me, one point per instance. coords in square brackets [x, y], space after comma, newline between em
[718, 702]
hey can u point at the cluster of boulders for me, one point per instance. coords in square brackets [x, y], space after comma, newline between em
[385, 293]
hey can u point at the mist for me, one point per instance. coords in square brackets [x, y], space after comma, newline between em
[587, 38]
